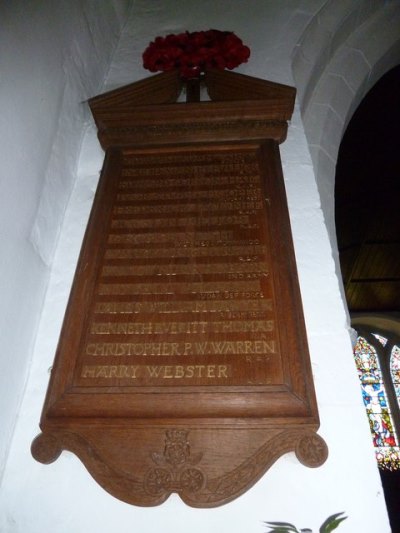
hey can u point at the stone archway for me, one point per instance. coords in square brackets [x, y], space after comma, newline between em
[344, 51]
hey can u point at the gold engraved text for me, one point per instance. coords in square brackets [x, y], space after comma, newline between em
[188, 208]
[178, 288]
[245, 253]
[201, 171]
[214, 306]
[152, 223]
[148, 328]
[181, 348]
[156, 371]
[191, 268]
[239, 158]
[229, 194]
[205, 180]
[173, 237]
[171, 328]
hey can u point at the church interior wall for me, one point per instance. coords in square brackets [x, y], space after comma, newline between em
[54, 55]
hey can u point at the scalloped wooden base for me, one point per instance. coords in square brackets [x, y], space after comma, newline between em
[206, 467]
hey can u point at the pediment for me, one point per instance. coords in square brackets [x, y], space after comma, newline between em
[165, 88]
[224, 85]
[162, 88]
[144, 109]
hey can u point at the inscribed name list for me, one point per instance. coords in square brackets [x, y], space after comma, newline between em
[185, 292]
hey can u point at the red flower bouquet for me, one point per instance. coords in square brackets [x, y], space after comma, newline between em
[192, 53]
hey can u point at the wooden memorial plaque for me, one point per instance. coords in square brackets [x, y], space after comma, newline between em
[183, 364]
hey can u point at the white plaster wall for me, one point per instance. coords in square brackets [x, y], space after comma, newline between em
[62, 497]
[53, 55]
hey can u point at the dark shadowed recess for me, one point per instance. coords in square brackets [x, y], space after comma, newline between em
[368, 218]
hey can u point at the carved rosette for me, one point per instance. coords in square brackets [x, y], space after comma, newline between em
[311, 450]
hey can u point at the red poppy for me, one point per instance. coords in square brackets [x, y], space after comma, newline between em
[192, 53]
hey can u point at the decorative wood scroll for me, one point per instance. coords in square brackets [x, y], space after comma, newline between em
[182, 364]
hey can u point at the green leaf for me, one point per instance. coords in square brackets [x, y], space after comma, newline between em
[282, 530]
[282, 527]
[281, 524]
[332, 522]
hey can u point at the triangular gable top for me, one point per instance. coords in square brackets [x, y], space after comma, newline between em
[223, 85]
[240, 107]
[165, 88]
[162, 88]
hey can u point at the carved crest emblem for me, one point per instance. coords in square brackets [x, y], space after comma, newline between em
[173, 473]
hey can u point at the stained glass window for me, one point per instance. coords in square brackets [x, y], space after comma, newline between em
[376, 400]
[395, 371]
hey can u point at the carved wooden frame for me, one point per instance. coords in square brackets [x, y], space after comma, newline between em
[207, 442]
